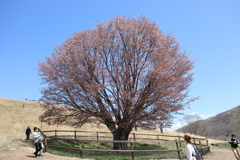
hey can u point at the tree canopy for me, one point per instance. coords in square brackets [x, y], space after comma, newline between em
[121, 73]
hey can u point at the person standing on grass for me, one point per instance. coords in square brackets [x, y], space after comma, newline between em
[37, 141]
[49, 121]
[189, 150]
[234, 144]
[28, 132]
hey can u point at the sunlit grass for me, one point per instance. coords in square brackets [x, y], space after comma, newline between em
[15, 119]
[114, 155]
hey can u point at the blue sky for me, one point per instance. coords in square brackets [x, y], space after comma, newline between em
[207, 29]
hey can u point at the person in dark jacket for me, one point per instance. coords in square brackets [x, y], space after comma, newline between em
[234, 144]
[28, 132]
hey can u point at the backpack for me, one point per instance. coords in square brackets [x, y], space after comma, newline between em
[198, 154]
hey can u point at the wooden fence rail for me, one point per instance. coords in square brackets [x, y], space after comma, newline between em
[134, 136]
[197, 141]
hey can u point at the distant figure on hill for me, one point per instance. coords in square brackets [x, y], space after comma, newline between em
[189, 150]
[49, 121]
[22, 105]
[234, 144]
[37, 141]
[28, 132]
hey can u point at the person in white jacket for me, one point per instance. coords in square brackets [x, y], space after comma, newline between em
[37, 141]
[189, 150]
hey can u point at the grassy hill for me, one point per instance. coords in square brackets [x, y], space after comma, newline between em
[15, 119]
[222, 125]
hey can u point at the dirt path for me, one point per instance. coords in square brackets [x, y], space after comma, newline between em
[25, 152]
[220, 154]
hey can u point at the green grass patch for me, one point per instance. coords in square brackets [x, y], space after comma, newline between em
[225, 145]
[115, 155]
[210, 153]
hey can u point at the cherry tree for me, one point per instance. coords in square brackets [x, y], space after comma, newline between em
[120, 73]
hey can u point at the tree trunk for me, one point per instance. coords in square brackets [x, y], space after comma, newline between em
[161, 129]
[119, 135]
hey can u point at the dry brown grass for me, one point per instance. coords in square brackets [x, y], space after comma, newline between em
[15, 119]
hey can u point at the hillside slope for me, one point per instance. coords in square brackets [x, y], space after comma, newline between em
[15, 119]
[222, 125]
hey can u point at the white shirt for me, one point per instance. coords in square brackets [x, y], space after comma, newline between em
[189, 151]
[36, 136]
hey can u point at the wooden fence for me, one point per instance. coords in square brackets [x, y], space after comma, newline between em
[108, 135]
[156, 138]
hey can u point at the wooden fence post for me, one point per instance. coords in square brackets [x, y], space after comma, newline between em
[208, 148]
[194, 141]
[134, 136]
[201, 146]
[45, 144]
[97, 135]
[55, 133]
[158, 139]
[132, 153]
[80, 148]
[207, 141]
[75, 134]
[179, 141]
[177, 149]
